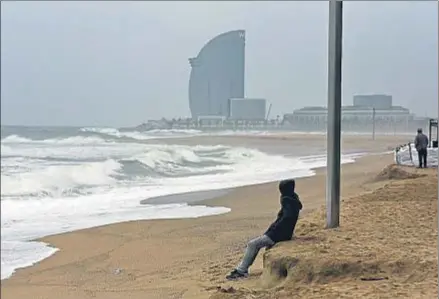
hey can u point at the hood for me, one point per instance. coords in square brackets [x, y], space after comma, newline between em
[286, 187]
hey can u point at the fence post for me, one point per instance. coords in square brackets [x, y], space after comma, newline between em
[410, 151]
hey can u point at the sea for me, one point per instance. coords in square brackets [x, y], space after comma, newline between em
[55, 180]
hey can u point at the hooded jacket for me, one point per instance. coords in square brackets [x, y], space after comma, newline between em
[283, 228]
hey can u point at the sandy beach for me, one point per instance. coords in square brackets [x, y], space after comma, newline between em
[388, 232]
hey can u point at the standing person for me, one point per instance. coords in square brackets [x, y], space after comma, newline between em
[421, 144]
[280, 230]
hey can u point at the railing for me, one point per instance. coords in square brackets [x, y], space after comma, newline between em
[410, 152]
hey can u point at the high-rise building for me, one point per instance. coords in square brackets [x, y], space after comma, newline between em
[217, 75]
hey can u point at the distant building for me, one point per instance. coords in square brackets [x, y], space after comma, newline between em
[377, 101]
[247, 109]
[217, 75]
[367, 109]
[350, 113]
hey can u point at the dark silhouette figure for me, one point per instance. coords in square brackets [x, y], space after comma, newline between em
[280, 230]
[421, 145]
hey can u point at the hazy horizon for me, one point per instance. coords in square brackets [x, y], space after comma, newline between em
[121, 63]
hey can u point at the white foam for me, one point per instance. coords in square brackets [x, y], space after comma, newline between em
[18, 252]
[57, 179]
[15, 139]
[74, 151]
[180, 133]
[146, 135]
[75, 140]
[403, 157]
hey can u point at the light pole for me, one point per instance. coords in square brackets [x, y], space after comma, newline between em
[334, 114]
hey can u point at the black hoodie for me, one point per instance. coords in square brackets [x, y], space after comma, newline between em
[282, 229]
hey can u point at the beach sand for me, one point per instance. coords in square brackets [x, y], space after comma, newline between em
[387, 226]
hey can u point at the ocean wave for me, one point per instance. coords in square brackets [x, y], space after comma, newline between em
[115, 133]
[43, 173]
[15, 139]
[104, 135]
[98, 136]
[78, 140]
[145, 135]
[58, 180]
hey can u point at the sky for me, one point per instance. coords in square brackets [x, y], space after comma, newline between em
[95, 63]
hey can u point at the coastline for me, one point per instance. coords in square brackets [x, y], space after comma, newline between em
[277, 144]
[155, 242]
[199, 198]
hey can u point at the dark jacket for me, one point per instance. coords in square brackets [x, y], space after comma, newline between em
[283, 228]
[421, 142]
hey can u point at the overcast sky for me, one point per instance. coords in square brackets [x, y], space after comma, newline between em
[121, 63]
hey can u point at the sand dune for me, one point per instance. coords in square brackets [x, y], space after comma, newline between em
[386, 247]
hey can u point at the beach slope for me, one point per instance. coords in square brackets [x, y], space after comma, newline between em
[386, 247]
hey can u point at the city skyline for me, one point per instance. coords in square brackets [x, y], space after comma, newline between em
[121, 63]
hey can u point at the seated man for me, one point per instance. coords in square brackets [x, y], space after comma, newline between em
[280, 230]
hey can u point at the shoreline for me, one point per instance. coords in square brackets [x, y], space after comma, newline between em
[192, 198]
[225, 197]
[131, 246]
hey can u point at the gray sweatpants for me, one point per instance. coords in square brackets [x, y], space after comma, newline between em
[253, 247]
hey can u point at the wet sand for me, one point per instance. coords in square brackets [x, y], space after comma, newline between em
[189, 197]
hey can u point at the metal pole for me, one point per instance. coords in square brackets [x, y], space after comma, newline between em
[437, 133]
[334, 114]
[373, 123]
[430, 123]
